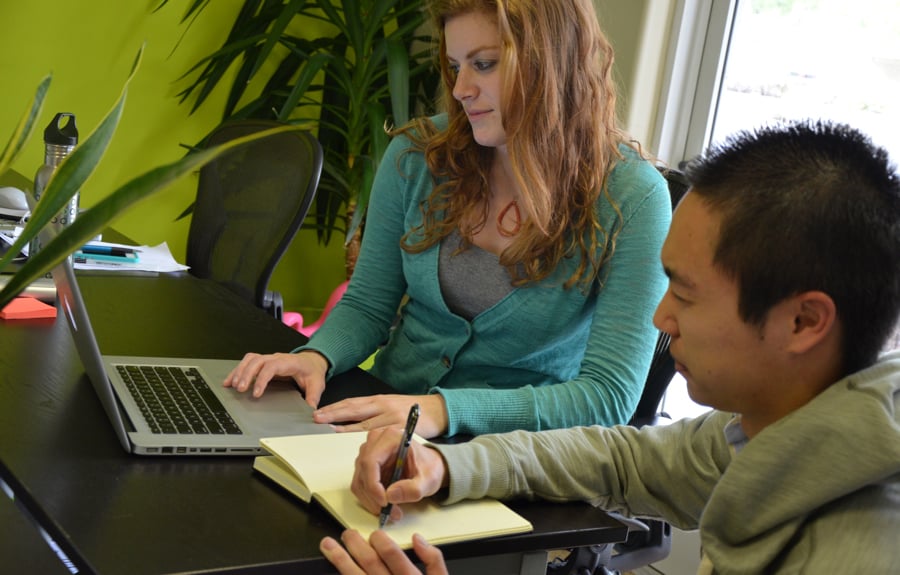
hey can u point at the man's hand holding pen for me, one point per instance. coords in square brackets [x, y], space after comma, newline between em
[380, 488]
[424, 472]
[400, 461]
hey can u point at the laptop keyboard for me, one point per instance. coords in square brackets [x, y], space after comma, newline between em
[175, 399]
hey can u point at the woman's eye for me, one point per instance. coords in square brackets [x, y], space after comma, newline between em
[483, 65]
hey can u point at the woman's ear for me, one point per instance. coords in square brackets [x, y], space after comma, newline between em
[815, 319]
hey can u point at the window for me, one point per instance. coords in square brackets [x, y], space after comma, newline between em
[738, 64]
[828, 59]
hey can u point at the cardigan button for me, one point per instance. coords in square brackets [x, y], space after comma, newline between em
[446, 361]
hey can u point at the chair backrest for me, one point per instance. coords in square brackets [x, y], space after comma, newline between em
[662, 368]
[250, 203]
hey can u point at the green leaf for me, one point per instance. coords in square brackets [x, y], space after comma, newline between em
[398, 79]
[313, 66]
[362, 200]
[95, 219]
[25, 128]
[355, 18]
[275, 33]
[335, 17]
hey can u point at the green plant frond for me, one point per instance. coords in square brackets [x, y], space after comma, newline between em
[183, 34]
[281, 23]
[240, 84]
[398, 79]
[217, 66]
[313, 66]
[344, 80]
[340, 185]
[333, 17]
[253, 109]
[338, 129]
[373, 53]
[334, 196]
[367, 173]
[159, 6]
[280, 80]
[356, 16]
[381, 16]
[288, 69]
[252, 11]
[407, 29]
[229, 51]
[373, 66]
[411, 11]
[95, 219]
[194, 9]
[25, 127]
[247, 31]
[379, 137]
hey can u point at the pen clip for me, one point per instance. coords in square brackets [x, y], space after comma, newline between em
[411, 421]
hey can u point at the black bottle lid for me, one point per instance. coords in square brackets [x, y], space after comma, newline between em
[61, 134]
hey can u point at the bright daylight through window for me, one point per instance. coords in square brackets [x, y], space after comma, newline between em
[830, 59]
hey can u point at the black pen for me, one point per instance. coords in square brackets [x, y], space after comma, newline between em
[401, 458]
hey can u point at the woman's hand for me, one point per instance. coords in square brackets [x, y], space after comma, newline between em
[380, 555]
[424, 472]
[374, 411]
[307, 368]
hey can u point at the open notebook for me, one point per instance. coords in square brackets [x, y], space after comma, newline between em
[320, 467]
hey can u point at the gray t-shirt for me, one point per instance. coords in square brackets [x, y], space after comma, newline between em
[472, 280]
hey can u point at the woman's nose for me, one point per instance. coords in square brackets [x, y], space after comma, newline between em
[463, 88]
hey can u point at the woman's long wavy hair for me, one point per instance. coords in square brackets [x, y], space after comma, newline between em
[559, 114]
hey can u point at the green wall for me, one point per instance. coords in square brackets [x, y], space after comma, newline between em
[89, 47]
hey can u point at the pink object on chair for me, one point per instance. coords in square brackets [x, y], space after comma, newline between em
[295, 319]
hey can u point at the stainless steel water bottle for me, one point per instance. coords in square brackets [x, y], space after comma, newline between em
[60, 138]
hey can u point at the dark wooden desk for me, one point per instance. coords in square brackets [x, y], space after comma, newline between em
[22, 549]
[114, 513]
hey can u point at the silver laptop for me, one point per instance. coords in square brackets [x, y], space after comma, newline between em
[138, 393]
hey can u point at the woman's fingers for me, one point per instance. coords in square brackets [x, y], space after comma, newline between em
[380, 555]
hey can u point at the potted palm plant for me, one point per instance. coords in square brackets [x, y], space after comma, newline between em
[69, 177]
[366, 66]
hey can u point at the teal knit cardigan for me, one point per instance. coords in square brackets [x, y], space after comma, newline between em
[543, 357]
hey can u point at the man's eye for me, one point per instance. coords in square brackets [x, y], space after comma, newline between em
[677, 297]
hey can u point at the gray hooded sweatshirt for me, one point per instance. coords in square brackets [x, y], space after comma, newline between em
[816, 492]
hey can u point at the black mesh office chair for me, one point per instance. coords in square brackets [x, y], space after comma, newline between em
[250, 203]
[648, 541]
[662, 368]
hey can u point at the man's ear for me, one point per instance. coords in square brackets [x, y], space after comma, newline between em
[815, 319]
